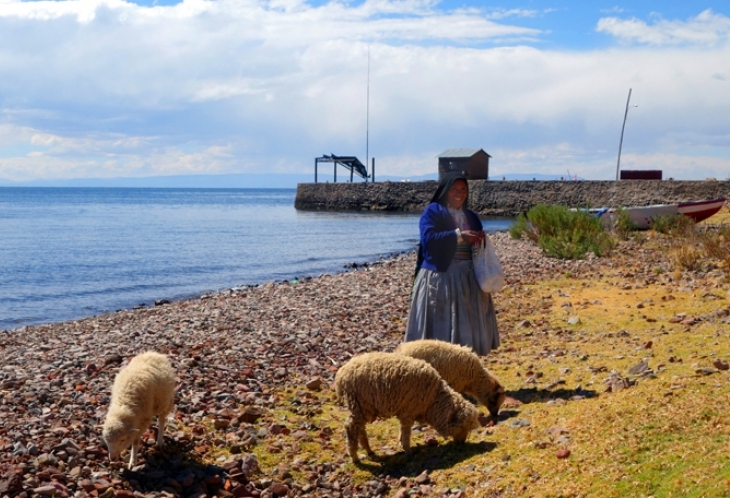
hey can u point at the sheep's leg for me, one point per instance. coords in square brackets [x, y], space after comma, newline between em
[362, 438]
[405, 434]
[133, 456]
[161, 420]
[352, 431]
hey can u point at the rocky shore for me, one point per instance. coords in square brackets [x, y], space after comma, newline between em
[233, 351]
[255, 364]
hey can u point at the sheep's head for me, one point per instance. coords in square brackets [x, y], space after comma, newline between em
[495, 400]
[463, 420]
[118, 436]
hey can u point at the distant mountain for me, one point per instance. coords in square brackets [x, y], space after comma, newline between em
[177, 181]
[274, 180]
[533, 176]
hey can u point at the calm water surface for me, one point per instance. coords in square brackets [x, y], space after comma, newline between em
[67, 253]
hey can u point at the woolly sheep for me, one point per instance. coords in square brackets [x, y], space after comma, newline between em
[141, 390]
[384, 385]
[460, 367]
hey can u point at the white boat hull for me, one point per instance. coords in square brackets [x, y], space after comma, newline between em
[643, 216]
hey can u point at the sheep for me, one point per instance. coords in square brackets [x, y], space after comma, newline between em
[460, 367]
[384, 385]
[141, 390]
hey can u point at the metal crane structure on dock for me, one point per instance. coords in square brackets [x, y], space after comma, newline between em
[350, 162]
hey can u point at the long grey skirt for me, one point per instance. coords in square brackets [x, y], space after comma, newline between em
[450, 306]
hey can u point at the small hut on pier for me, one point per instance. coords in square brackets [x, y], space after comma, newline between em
[473, 163]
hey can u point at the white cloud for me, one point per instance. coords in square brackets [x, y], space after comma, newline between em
[505, 13]
[109, 88]
[707, 28]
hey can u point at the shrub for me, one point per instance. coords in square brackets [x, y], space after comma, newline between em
[716, 244]
[676, 225]
[523, 227]
[623, 225]
[686, 256]
[563, 233]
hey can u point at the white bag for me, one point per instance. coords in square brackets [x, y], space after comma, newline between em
[487, 269]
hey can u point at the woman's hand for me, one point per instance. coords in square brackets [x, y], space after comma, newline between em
[472, 236]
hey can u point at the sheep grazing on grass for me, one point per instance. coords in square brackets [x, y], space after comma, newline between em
[141, 390]
[460, 367]
[384, 385]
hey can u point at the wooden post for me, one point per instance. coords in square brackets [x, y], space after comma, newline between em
[335, 163]
[373, 171]
[315, 169]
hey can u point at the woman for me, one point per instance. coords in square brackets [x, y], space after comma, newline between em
[447, 302]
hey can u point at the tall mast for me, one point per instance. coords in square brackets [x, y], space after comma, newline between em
[367, 118]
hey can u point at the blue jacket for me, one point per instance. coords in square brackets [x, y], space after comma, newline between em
[438, 236]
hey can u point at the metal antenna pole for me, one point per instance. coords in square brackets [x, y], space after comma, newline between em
[367, 118]
[626, 113]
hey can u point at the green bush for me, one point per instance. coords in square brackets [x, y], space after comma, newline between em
[623, 225]
[563, 233]
[523, 227]
[677, 225]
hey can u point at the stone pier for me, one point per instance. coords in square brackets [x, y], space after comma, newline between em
[506, 198]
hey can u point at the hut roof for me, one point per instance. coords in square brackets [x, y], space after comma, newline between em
[460, 152]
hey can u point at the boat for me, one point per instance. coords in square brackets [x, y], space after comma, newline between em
[643, 216]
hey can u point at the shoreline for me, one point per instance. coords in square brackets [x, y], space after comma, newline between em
[204, 294]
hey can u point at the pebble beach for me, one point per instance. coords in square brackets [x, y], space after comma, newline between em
[235, 352]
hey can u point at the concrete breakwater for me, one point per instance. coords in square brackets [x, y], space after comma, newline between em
[506, 198]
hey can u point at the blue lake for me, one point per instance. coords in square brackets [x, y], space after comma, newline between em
[68, 253]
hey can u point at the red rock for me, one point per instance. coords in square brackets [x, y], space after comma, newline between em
[87, 485]
[221, 423]
[721, 364]
[241, 491]
[46, 490]
[279, 489]
[213, 480]
[511, 402]
[562, 453]
[250, 415]
[423, 478]
[276, 429]
[314, 384]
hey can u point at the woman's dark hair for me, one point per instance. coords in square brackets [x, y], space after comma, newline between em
[445, 184]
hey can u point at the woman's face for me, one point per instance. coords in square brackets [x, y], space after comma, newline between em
[456, 195]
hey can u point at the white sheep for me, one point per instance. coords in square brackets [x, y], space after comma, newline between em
[460, 367]
[141, 390]
[384, 385]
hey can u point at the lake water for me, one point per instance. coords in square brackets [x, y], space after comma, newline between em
[68, 253]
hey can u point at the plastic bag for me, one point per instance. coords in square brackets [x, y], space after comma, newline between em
[487, 269]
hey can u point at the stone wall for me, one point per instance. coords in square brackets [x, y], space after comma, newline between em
[505, 198]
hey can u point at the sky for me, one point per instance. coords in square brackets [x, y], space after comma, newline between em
[116, 88]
